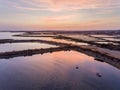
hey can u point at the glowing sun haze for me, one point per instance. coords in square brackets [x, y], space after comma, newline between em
[59, 14]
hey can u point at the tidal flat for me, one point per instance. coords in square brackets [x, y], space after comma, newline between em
[53, 60]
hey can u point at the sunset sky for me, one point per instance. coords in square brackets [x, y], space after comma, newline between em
[59, 14]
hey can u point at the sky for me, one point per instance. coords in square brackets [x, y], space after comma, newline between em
[59, 14]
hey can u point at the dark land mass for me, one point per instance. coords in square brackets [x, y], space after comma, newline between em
[108, 32]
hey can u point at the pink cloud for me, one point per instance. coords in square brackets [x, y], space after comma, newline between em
[59, 18]
[59, 5]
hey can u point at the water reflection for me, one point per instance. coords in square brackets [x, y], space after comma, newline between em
[57, 71]
[22, 46]
[9, 35]
[6, 35]
[112, 39]
[107, 43]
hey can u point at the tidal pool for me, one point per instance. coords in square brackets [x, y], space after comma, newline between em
[58, 71]
[112, 39]
[23, 46]
[9, 35]
[107, 43]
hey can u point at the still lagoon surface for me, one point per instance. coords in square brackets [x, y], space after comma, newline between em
[63, 70]
[22, 46]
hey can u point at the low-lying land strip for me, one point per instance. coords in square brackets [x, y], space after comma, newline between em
[101, 52]
[85, 47]
[98, 54]
[3, 41]
[108, 46]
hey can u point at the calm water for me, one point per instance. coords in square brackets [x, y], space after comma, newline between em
[54, 71]
[107, 43]
[9, 35]
[23, 46]
[108, 37]
[57, 71]
[112, 39]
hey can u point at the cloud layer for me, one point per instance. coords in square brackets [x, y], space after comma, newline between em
[60, 14]
[59, 5]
